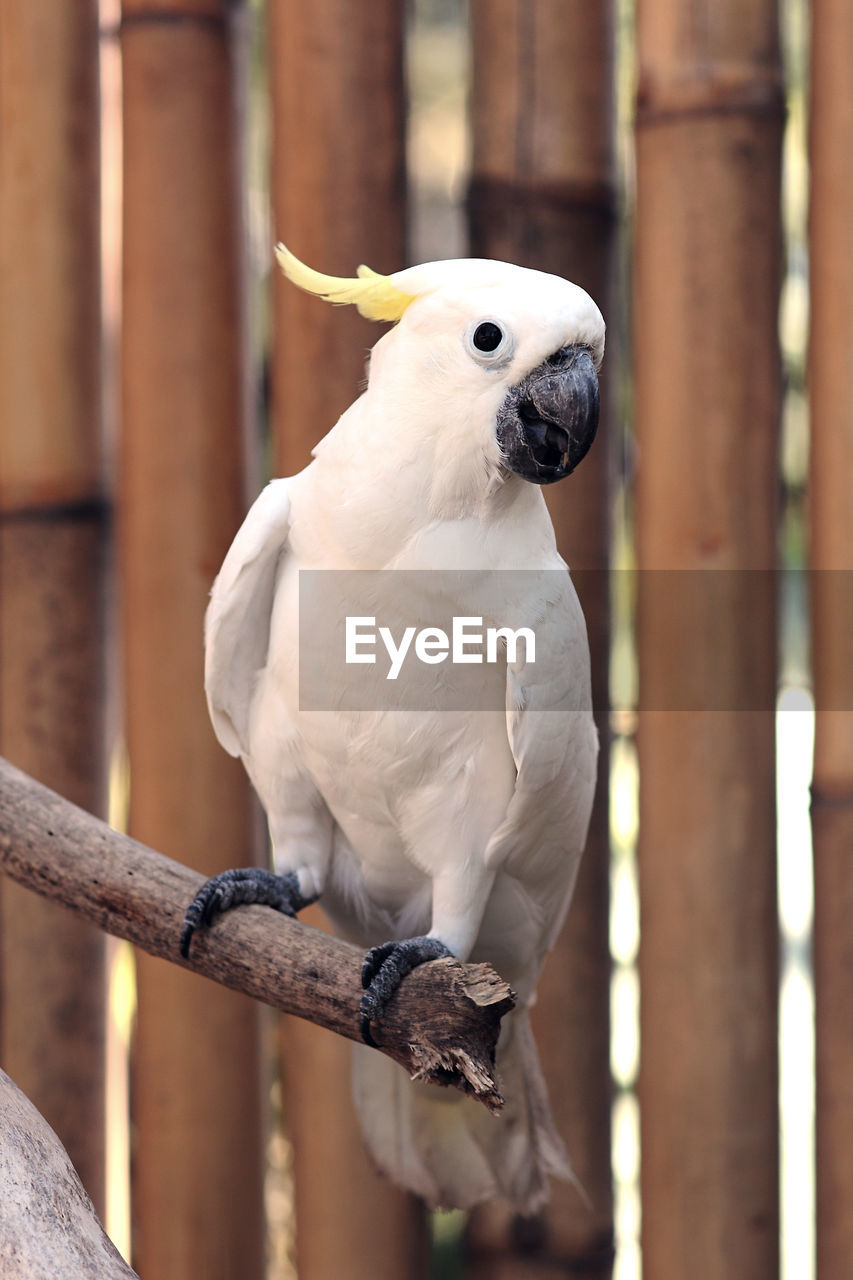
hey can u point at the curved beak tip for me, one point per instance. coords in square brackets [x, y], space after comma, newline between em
[549, 420]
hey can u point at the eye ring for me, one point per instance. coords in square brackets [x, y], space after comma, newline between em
[489, 341]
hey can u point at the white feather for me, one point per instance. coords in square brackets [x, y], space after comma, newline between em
[466, 825]
[238, 617]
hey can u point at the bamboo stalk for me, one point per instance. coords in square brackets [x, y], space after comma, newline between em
[198, 1158]
[542, 193]
[338, 177]
[831, 543]
[52, 533]
[707, 379]
[338, 182]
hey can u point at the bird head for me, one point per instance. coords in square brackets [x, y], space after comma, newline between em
[503, 360]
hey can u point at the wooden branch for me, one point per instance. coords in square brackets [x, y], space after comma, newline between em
[48, 1224]
[442, 1025]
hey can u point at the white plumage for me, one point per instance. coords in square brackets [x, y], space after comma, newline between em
[466, 826]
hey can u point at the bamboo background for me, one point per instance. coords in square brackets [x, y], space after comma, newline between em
[153, 371]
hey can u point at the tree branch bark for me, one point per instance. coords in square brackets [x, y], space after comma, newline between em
[48, 1224]
[442, 1025]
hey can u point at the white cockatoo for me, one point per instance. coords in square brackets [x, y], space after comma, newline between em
[427, 831]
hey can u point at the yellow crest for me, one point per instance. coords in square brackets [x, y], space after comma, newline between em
[376, 296]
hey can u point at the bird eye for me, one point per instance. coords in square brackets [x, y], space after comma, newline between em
[489, 342]
[488, 336]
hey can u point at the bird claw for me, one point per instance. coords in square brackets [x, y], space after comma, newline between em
[238, 887]
[384, 969]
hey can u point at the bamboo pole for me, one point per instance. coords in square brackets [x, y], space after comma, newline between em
[197, 1109]
[338, 184]
[338, 194]
[543, 194]
[707, 384]
[831, 484]
[53, 529]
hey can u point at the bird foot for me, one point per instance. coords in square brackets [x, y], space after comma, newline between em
[384, 969]
[239, 887]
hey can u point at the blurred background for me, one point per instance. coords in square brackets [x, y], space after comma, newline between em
[691, 167]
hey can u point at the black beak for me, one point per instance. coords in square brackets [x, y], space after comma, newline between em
[548, 422]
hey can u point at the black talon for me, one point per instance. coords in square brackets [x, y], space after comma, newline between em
[239, 887]
[374, 961]
[384, 969]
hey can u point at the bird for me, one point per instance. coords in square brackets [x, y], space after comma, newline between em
[432, 817]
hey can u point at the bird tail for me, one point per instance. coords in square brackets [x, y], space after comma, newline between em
[448, 1148]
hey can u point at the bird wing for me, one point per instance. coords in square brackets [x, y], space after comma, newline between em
[554, 743]
[237, 626]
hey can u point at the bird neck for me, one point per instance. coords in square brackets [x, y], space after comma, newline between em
[405, 497]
